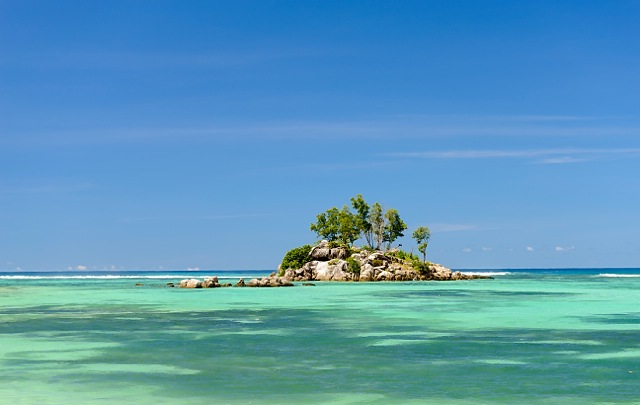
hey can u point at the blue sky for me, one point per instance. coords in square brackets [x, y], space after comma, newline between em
[204, 134]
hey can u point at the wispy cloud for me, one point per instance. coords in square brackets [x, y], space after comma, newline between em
[533, 118]
[380, 127]
[560, 160]
[545, 118]
[530, 249]
[564, 249]
[547, 156]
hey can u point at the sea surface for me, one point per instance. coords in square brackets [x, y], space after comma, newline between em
[526, 337]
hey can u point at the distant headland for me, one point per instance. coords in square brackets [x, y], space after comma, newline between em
[336, 258]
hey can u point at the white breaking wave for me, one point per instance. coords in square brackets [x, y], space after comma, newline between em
[105, 277]
[619, 275]
[486, 273]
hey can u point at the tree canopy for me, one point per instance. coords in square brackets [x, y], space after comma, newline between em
[422, 236]
[369, 223]
[394, 226]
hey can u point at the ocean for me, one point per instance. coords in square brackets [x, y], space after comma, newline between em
[528, 336]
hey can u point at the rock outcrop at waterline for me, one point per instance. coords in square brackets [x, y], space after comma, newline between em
[272, 281]
[332, 264]
[212, 282]
[208, 282]
[341, 264]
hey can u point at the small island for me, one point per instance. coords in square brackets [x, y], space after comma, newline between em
[336, 258]
[326, 263]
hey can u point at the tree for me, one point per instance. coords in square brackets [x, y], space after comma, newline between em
[295, 258]
[373, 224]
[337, 225]
[349, 231]
[376, 219]
[362, 218]
[394, 226]
[422, 236]
[327, 225]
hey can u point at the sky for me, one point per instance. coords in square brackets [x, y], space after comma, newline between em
[150, 135]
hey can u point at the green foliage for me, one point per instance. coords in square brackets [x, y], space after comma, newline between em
[342, 227]
[349, 230]
[334, 244]
[362, 218]
[327, 225]
[376, 219]
[383, 226]
[394, 226]
[420, 266]
[409, 259]
[399, 254]
[353, 266]
[377, 262]
[402, 255]
[422, 236]
[337, 225]
[349, 250]
[371, 223]
[295, 258]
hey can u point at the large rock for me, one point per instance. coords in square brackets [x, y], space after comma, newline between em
[305, 273]
[321, 251]
[439, 272]
[408, 275]
[384, 276]
[332, 271]
[324, 252]
[210, 282]
[190, 283]
[378, 256]
[338, 253]
[271, 281]
[367, 273]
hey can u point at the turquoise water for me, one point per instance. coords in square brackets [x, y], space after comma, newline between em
[528, 336]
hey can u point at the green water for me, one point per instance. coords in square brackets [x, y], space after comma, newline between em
[521, 338]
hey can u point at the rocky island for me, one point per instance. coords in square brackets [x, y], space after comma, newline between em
[360, 264]
[336, 258]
